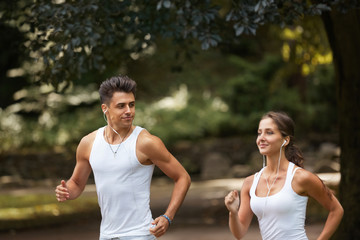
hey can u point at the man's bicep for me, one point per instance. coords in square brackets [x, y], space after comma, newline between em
[163, 159]
[82, 168]
[150, 149]
[171, 167]
[81, 173]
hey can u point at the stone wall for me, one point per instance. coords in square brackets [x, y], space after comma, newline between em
[235, 157]
[28, 170]
[206, 159]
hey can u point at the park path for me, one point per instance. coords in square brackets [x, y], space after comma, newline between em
[202, 216]
[89, 230]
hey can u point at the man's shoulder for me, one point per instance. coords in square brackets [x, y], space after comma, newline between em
[148, 140]
[85, 145]
[89, 138]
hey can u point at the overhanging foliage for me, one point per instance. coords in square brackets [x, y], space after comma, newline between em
[67, 38]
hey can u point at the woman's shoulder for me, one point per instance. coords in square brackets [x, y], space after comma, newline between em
[303, 176]
[304, 181]
[248, 181]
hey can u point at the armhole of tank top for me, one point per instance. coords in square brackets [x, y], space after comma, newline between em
[258, 174]
[290, 174]
[138, 132]
[255, 182]
[98, 134]
[294, 170]
[292, 177]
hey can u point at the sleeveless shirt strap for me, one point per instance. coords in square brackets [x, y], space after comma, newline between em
[259, 172]
[293, 173]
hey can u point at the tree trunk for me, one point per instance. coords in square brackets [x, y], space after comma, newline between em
[343, 32]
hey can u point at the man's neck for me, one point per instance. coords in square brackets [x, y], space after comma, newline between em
[116, 136]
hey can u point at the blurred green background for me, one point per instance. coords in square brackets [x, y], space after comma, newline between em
[188, 98]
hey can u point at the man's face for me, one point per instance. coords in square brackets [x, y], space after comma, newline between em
[121, 111]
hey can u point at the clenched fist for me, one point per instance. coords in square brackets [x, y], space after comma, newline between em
[232, 201]
[62, 192]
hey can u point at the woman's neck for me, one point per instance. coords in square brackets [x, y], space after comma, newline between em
[273, 162]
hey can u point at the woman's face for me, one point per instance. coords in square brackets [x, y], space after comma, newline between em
[269, 139]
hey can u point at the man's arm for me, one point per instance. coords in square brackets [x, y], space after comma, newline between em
[150, 149]
[75, 185]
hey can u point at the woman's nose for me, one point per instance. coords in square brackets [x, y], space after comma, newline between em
[260, 137]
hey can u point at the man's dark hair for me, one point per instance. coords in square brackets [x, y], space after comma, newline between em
[116, 84]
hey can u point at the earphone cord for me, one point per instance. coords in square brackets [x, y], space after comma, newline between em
[267, 184]
[111, 127]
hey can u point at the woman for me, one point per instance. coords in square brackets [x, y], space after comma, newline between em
[278, 193]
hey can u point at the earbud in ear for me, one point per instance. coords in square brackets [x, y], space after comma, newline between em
[284, 143]
[105, 115]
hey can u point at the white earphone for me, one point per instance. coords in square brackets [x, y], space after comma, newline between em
[105, 116]
[283, 143]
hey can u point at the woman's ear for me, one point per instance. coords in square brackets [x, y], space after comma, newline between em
[287, 139]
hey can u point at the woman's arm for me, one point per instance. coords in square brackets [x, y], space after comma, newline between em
[307, 183]
[240, 214]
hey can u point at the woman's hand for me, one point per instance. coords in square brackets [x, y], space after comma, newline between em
[232, 201]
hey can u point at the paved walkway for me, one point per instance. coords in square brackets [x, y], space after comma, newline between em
[202, 216]
[88, 230]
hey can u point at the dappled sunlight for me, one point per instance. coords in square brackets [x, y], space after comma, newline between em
[332, 179]
[297, 48]
[15, 72]
[63, 137]
[177, 101]
[292, 34]
[219, 105]
[10, 122]
[47, 120]
[29, 210]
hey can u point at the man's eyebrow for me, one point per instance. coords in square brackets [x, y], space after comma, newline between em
[122, 103]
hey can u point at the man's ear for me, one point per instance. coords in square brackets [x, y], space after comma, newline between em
[104, 108]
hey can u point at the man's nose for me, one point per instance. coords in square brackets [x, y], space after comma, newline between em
[127, 109]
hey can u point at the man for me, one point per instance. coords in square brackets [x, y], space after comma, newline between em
[122, 157]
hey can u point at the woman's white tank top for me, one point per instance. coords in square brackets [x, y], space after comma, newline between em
[281, 216]
[123, 187]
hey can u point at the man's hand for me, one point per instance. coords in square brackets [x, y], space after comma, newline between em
[161, 225]
[62, 192]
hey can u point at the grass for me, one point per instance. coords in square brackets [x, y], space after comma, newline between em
[18, 212]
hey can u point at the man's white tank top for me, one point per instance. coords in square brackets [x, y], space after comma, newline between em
[281, 216]
[123, 187]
